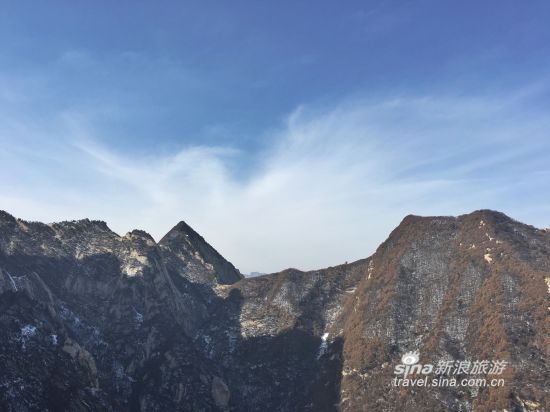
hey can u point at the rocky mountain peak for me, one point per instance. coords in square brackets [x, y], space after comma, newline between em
[183, 228]
[482, 219]
[82, 225]
[6, 217]
[142, 235]
[183, 245]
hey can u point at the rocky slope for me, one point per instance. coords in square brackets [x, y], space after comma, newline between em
[95, 321]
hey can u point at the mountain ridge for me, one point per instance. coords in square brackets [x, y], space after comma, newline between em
[141, 325]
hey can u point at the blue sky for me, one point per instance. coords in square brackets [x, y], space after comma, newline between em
[287, 133]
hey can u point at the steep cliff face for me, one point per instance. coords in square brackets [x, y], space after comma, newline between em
[187, 254]
[275, 340]
[96, 321]
[85, 299]
[468, 288]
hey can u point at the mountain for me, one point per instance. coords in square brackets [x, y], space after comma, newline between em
[188, 255]
[254, 274]
[96, 321]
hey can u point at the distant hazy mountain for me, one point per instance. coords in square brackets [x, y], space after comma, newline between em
[254, 274]
[91, 320]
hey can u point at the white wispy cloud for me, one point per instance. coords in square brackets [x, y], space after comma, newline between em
[327, 188]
